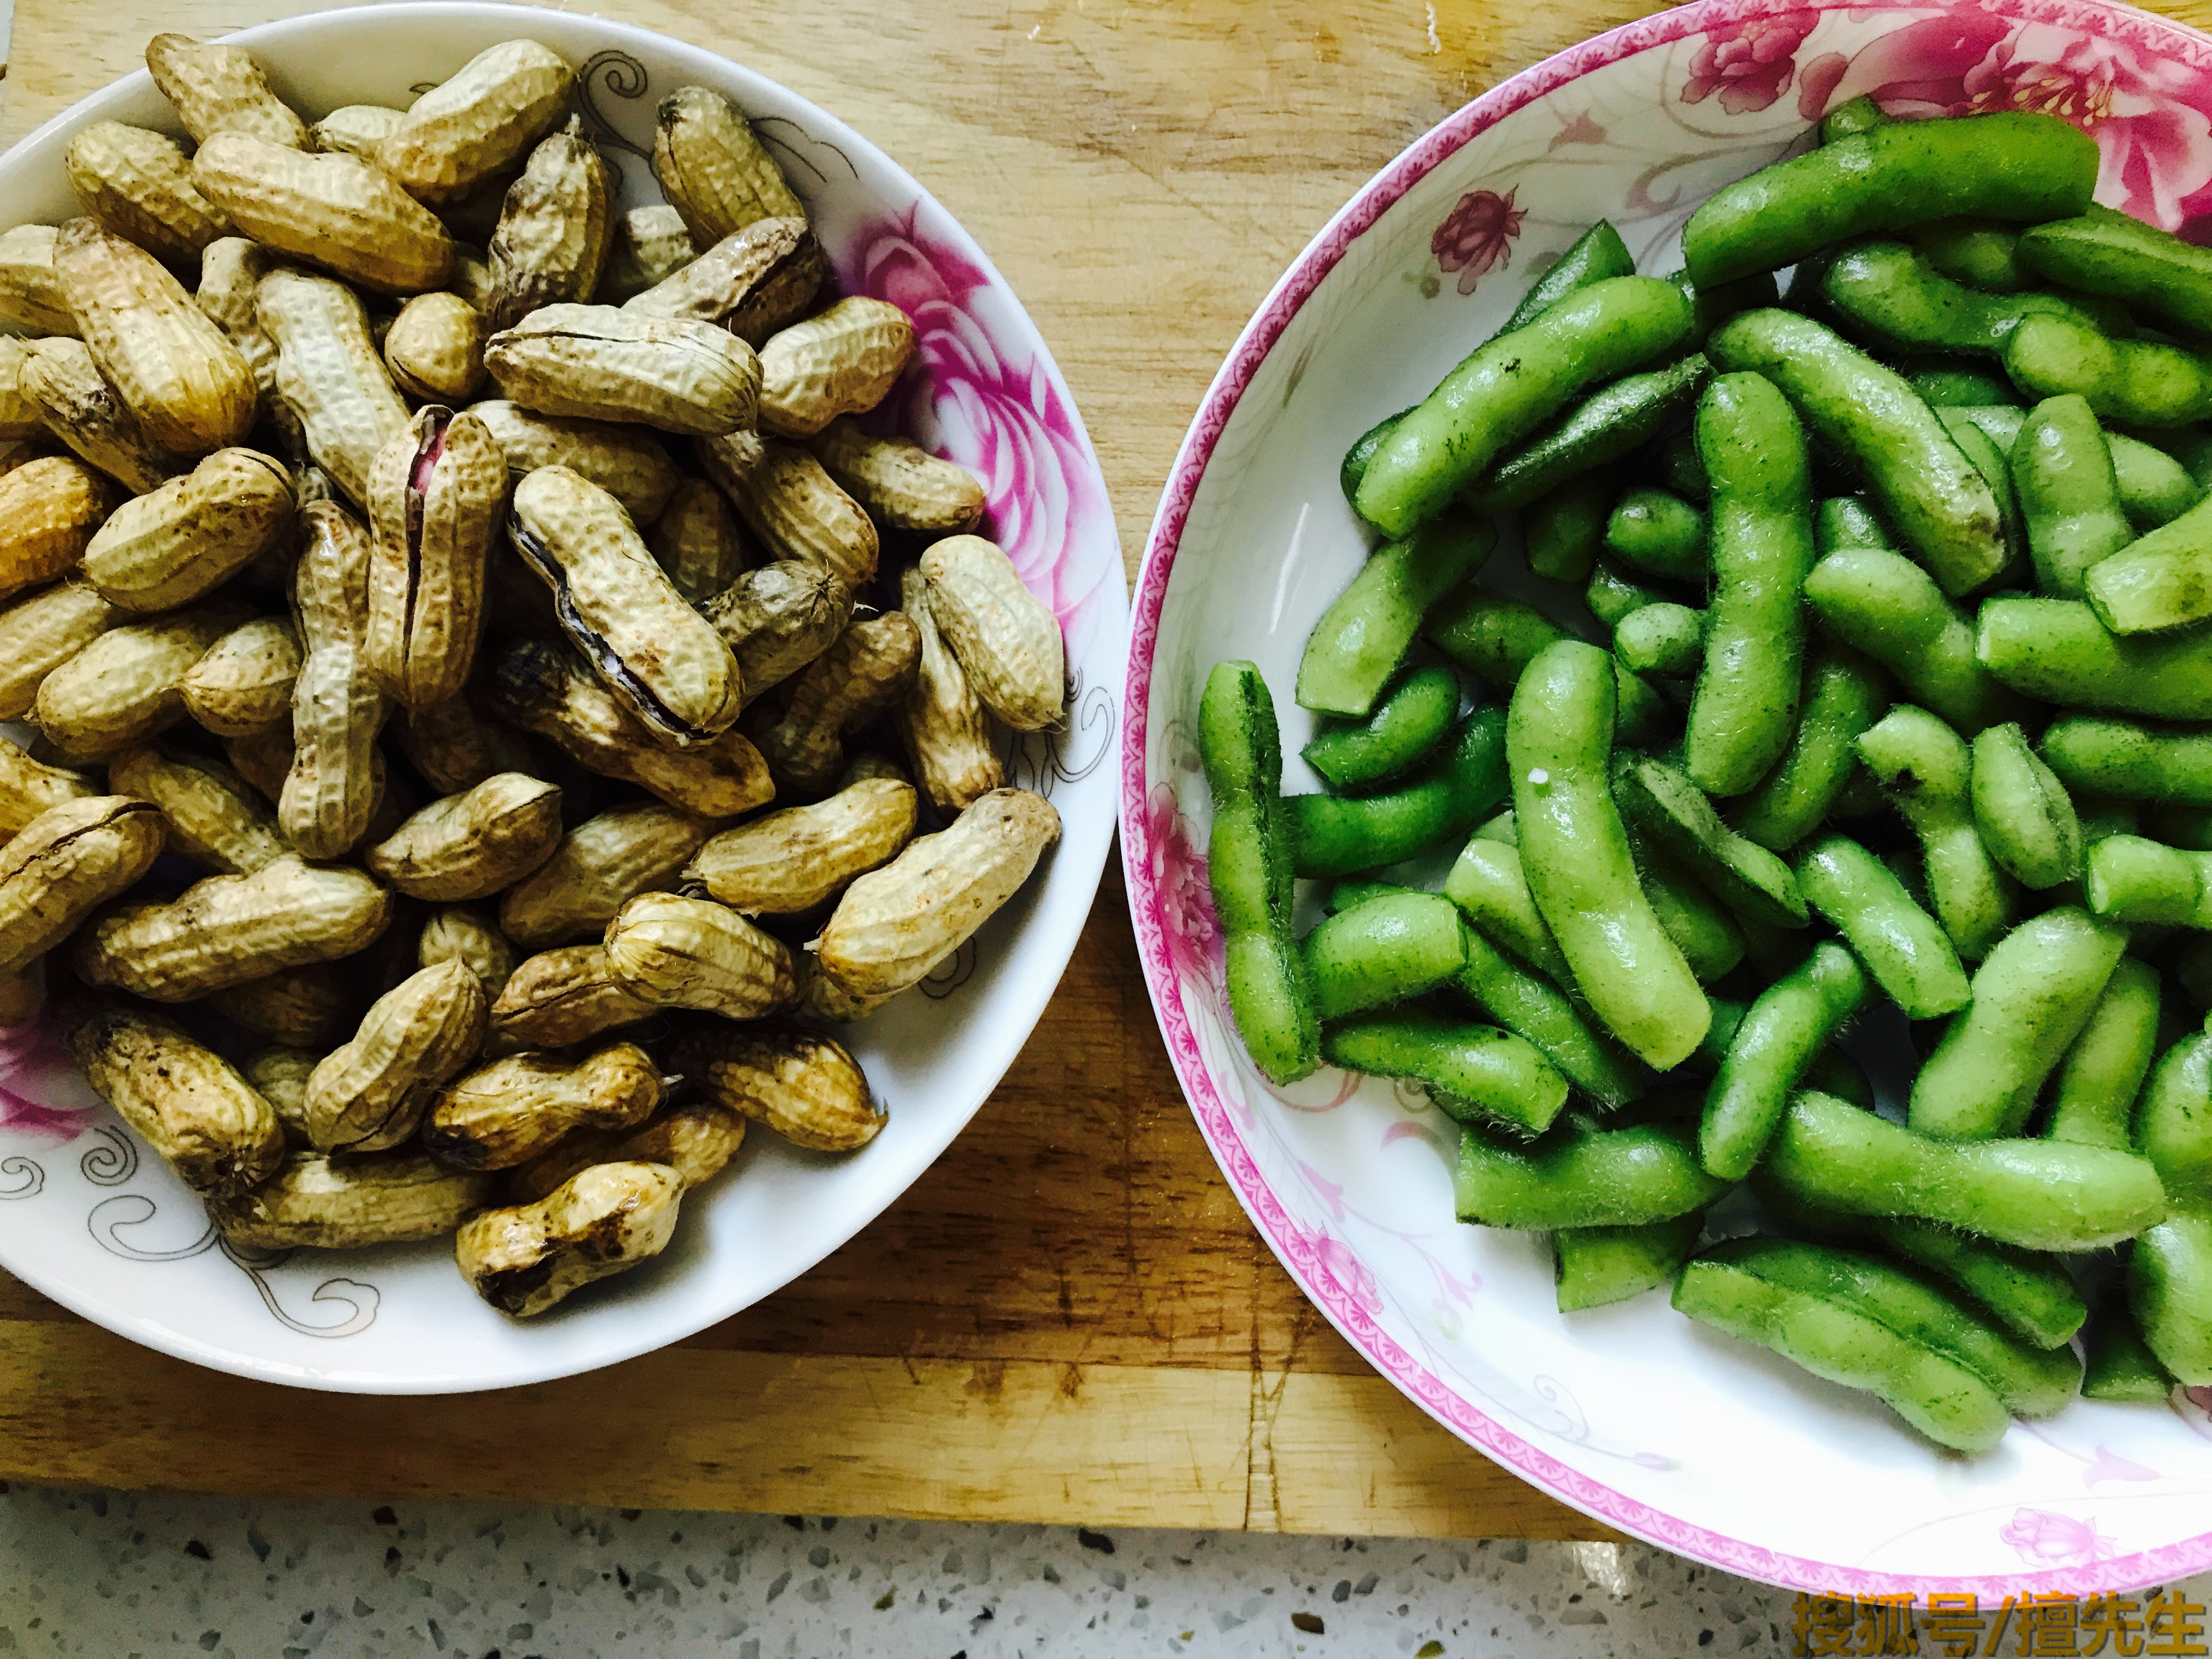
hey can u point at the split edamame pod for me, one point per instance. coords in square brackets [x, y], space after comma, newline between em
[2057, 650]
[1407, 724]
[1923, 766]
[2033, 995]
[1616, 419]
[2021, 811]
[2140, 382]
[1674, 812]
[1471, 1071]
[1596, 1267]
[2174, 1121]
[1768, 1055]
[1580, 1176]
[1889, 289]
[1356, 647]
[1391, 947]
[1563, 529]
[1887, 606]
[2029, 1292]
[1844, 694]
[1596, 254]
[1979, 252]
[2130, 759]
[2103, 252]
[2163, 580]
[2094, 1101]
[1661, 638]
[1487, 884]
[2118, 1363]
[2170, 1293]
[2069, 498]
[1660, 533]
[1336, 835]
[1848, 521]
[2132, 879]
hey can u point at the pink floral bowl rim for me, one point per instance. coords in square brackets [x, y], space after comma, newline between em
[1746, 72]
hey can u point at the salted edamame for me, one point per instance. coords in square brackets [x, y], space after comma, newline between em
[1659, 533]
[1891, 608]
[2128, 758]
[2070, 497]
[2093, 1100]
[2022, 813]
[2151, 270]
[1661, 638]
[1616, 419]
[1393, 946]
[1563, 529]
[1406, 726]
[2162, 581]
[1355, 649]
[1844, 694]
[1768, 1055]
[1579, 1175]
[1596, 1267]
[1923, 766]
[1475, 1071]
[2147, 383]
[1337, 835]
[1904, 948]
[2057, 650]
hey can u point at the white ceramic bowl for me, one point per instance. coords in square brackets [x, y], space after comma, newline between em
[1662, 1428]
[92, 1221]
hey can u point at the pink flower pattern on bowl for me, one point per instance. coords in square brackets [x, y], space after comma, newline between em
[1750, 62]
[1477, 236]
[2045, 1539]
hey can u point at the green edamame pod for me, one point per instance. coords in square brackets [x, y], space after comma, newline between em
[1614, 420]
[1563, 529]
[1923, 766]
[1487, 884]
[2032, 1382]
[1536, 1012]
[1745, 706]
[1558, 743]
[2038, 1195]
[1355, 649]
[1849, 119]
[1354, 466]
[1989, 458]
[1334, 835]
[1495, 637]
[1888, 607]
[2130, 759]
[2021, 811]
[1661, 638]
[2094, 1101]
[2155, 488]
[1674, 812]
[2118, 1364]
[2057, 650]
[1471, 1071]
[2015, 168]
[1679, 470]
[1596, 1267]
[2033, 995]
[1848, 521]
[2029, 1292]
[2128, 878]
[1596, 254]
[1769, 1054]
[1580, 1177]
[1711, 939]
[1394, 946]
[2170, 1293]
[1613, 594]
[2163, 580]
[2070, 499]
[2174, 1121]
[1890, 290]
[1658, 532]
[1499, 827]
[1979, 252]
[1249, 865]
[1509, 387]
[1844, 694]
[1407, 724]
[1715, 306]
[1929, 490]
[1902, 947]
[1944, 386]
[2140, 382]
[1949, 1402]
[2105, 252]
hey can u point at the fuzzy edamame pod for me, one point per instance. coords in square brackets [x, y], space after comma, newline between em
[1563, 529]
[1902, 947]
[2149, 270]
[1848, 521]
[1356, 646]
[1934, 496]
[2169, 1294]
[1844, 694]
[1336, 835]
[1888, 607]
[2155, 488]
[1661, 638]
[2057, 650]
[1533, 1009]
[1665, 805]
[2174, 1121]
[1850, 118]
[2139, 382]
[1616, 419]
[2038, 1195]
[2094, 1101]
[1596, 1267]
[2162, 581]
[1487, 884]
[1923, 766]
[2118, 1364]
[2033, 995]
[2014, 167]
[1612, 594]
[1407, 724]
[1393, 946]
[1711, 939]
[2069, 498]
[1946, 385]
[1659, 533]
[1768, 1055]
[1559, 740]
[2133, 879]
[1508, 388]
[1353, 467]
[1248, 865]
[2029, 1292]
[1979, 252]
[1889, 289]
[1595, 255]
[2127, 758]
[1495, 638]
[2022, 813]
[1948, 1401]
[1579, 1175]
[1472, 1072]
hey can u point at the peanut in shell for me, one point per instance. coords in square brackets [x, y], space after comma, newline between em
[333, 210]
[49, 511]
[455, 747]
[714, 170]
[219, 89]
[172, 544]
[279, 1075]
[305, 1007]
[902, 485]
[186, 1101]
[264, 760]
[842, 362]
[231, 271]
[696, 1139]
[330, 374]
[460, 933]
[649, 246]
[697, 541]
[80, 408]
[554, 228]
[821, 997]
[600, 362]
[31, 294]
[436, 494]
[356, 128]
[610, 1218]
[337, 710]
[793, 507]
[127, 685]
[320, 1201]
[479, 123]
[677, 952]
[777, 618]
[626, 461]
[800, 731]
[804, 1086]
[752, 283]
[370, 1093]
[1006, 637]
[137, 183]
[435, 348]
[214, 817]
[564, 996]
[20, 418]
[600, 866]
[939, 716]
[243, 686]
[29, 786]
[788, 861]
[509, 1111]
[472, 845]
[64, 864]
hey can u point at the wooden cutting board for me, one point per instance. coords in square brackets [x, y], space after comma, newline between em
[1068, 1319]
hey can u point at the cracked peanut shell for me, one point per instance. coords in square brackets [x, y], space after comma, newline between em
[66, 863]
[436, 495]
[939, 717]
[600, 362]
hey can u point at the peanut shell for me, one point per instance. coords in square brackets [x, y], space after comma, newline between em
[800, 731]
[713, 169]
[30, 294]
[81, 410]
[333, 210]
[371, 1093]
[305, 1006]
[678, 952]
[939, 716]
[127, 685]
[792, 505]
[788, 861]
[604, 1221]
[470, 846]
[599, 362]
[138, 184]
[752, 283]
[64, 864]
[172, 544]
[435, 348]
[461, 933]
[509, 1111]
[842, 362]
[214, 817]
[599, 866]
[436, 494]
[628, 461]
[649, 246]
[330, 374]
[187, 1102]
[554, 229]
[356, 128]
[479, 123]
[243, 686]
[696, 1139]
[564, 996]
[902, 485]
[804, 1086]
[330, 791]
[30, 787]
[49, 511]
[778, 619]
[219, 88]
[1006, 637]
[320, 1201]
[697, 541]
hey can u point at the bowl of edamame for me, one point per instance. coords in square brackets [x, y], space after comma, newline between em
[1667, 796]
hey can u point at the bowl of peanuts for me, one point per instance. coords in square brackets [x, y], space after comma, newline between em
[558, 628]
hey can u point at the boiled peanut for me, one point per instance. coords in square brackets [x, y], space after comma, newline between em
[30, 294]
[138, 184]
[264, 760]
[28, 787]
[479, 123]
[344, 1203]
[435, 497]
[81, 409]
[303, 1007]
[460, 934]
[801, 730]
[662, 660]
[678, 952]
[894, 926]
[939, 716]
[599, 866]
[20, 418]
[713, 169]
[370, 1094]
[243, 686]
[336, 710]
[225, 930]
[821, 997]
[356, 128]
[554, 228]
[649, 246]
[187, 1104]
[694, 1138]
[1006, 638]
[214, 817]
[843, 362]
[330, 209]
[599, 362]
[218, 88]
[697, 541]
[435, 348]
[563, 996]
[752, 283]
[471, 279]
[126, 686]
[778, 619]
[628, 461]
[613, 1216]
[49, 512]
[455, 748]
[801, 1083]
[509, 1111]
[64, 864]
[470, 846]
[792, 505]
[902, 485]
[170, 546]
[791, 860]
[330, 375]
[279, 1075]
